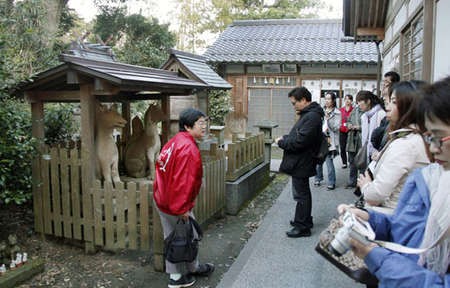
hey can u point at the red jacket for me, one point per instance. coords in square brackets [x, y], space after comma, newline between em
[178, 175]
[344, 117]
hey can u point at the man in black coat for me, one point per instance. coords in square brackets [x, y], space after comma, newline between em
[299, 148]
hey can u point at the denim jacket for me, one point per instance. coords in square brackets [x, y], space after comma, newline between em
[406, 226]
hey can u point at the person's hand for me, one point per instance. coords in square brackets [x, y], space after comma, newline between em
[375, 155]
[184, 216]
[349, 126]
[363, 215]
[363, 179]
[359, 249]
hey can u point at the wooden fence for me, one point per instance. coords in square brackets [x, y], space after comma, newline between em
[243, 155]
[110, 217]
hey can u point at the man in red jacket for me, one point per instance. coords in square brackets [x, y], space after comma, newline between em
[177, 183]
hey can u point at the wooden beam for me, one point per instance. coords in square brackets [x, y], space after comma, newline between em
[53, 96]
[365, 31]
[103, 87]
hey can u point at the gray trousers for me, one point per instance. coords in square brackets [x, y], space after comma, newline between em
[168, 225]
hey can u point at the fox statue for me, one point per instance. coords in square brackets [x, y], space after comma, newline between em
[106, 149]
[144, 144]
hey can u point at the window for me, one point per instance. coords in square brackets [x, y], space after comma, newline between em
[412, 49]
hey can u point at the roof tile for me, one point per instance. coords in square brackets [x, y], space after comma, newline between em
[288, 40]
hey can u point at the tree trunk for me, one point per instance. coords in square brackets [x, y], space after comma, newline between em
[54, 10]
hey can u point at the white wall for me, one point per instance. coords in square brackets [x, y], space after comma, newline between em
[442, 41]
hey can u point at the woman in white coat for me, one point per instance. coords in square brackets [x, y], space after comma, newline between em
[331, 125]
[373, 114]
[404, 152]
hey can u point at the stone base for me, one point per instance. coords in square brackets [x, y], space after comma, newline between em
[12, 278]
[246, 187]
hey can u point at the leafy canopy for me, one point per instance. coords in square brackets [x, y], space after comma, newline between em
[135, 39]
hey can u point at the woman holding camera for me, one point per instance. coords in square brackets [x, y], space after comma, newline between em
[404, 152]
[422, 216]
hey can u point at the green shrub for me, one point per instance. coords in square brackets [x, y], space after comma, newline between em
[219, 106]
[17, 149]
[59, 124]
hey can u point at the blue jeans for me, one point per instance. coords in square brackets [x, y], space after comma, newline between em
[330, 170]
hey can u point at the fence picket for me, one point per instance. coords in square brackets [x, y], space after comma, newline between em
[75, 188]
[65, 192]
[120, 208]
[46, 199]
[132, 216]
[56, 199]
[144, 206]
[97, 196]
[109, 202]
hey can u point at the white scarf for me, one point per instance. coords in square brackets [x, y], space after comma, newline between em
[437, 258]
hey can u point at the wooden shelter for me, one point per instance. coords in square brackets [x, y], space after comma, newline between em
[68, 202]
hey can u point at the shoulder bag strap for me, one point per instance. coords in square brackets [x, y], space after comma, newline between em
[407, 250]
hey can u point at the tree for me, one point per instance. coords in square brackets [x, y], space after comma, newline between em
[192, 22]
[136, 39]
[213, 16]
[25, 42]
[29, 44]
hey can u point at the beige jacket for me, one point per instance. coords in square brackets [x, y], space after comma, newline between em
[401, 157]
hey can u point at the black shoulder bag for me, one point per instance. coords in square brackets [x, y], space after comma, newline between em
[182, 244]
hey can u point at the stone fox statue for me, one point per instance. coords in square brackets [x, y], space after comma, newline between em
[144, 144]
[106, 148]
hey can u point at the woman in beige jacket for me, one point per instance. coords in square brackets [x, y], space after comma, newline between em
[404, 152]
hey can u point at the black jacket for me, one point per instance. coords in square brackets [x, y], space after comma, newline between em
[302, 143]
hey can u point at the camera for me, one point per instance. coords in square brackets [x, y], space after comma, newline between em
[353, 227]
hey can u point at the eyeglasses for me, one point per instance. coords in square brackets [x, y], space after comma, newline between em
[201, 123]
[437, 142]
[294, 102]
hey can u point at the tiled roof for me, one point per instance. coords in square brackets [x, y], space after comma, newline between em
[198, 69]
[288, 40]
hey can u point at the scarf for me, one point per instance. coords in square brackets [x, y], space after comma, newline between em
[437, 258]
[369, 122]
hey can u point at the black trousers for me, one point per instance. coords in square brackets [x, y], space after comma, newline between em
[302, 195]
[343, 146]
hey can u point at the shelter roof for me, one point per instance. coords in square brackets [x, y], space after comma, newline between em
[364, 20]
[75, 70]
[195, 67]
[288, 40]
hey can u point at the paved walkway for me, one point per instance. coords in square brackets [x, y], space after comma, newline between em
[270, 259]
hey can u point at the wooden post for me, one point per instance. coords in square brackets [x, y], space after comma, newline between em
[88, 106]
[37, 116]
[158, 242]
[428, 33]
[126, 131]
[165, 107]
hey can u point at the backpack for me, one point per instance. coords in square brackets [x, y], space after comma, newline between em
[322, 152]
[181, 245]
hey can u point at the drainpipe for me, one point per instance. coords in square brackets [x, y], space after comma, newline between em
[377, 43]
